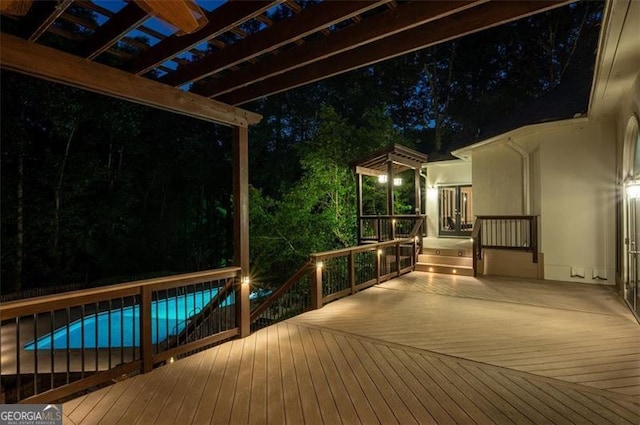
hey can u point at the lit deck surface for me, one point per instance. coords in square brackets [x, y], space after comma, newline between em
[419, 349]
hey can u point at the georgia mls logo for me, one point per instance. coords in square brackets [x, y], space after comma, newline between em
[30, 414]
[51, 406]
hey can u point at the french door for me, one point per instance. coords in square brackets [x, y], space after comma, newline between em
[455, 205]
[632, 275]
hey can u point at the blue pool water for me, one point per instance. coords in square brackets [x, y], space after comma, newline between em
[168, 317]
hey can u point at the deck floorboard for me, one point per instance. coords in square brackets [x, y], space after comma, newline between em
[419, 349]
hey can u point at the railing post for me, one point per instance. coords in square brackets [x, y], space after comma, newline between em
[146, 346]
[534, 237]
[352, 272]
[379, 229]
[316, 285]
[393, 229]
[378, 256]
[398, 259]
[414, 257]
[243, 305]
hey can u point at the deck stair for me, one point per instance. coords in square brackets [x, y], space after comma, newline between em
[445, 261]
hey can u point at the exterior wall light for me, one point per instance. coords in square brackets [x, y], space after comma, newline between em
[397, 181]
[632, 189]
[382, 178]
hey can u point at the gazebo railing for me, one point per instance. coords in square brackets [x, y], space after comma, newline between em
[380, 228]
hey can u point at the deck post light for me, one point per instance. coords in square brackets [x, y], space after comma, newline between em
[382, 178]
[397, 181]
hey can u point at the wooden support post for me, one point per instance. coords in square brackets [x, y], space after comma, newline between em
[359, 197]
[398, 259]
[352, 272]
[417, 203]
[146, 346]
[241, 226]
[316, 286]
[390, 203]
[534, 237]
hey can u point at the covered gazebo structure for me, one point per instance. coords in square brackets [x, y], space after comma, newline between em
[386, 164]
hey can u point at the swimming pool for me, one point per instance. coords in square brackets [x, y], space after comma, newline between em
[121, 327]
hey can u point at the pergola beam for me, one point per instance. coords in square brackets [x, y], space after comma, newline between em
[44, 62]
[127, 19]
[382, 25]
[221, 20]
[308, 21]
[478, 18]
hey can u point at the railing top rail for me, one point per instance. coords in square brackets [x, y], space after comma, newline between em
[408, 216]
[506, 217]
[360, 248]
[84, 296]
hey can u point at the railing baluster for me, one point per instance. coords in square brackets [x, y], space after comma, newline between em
[122, 306]
[18, 357]
[166, 324]
[35, 354]
[95, 339]
[68, 341]
[109, 344]
[82, 343]
[52, 323]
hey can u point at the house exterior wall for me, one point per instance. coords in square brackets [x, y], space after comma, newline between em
[497, 180]
[457, 172]
[577, 202]
[571, 187]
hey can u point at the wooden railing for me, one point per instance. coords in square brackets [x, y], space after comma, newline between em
[58, 345]
[513, 232]
[380, 228]
[331, 275]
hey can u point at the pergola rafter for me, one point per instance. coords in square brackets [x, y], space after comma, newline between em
[123, 22]
[377, 27]
[321, 66]
[223, 19]
[308, 43]
[44, 15]
[313, 19]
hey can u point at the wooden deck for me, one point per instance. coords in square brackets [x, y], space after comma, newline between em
[420, 349]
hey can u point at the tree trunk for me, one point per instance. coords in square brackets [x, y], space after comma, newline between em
[20, 218]
[58, 192]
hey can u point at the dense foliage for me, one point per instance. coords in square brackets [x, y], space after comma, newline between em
[96, 190]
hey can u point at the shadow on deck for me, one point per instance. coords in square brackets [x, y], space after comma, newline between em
[421, 348]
